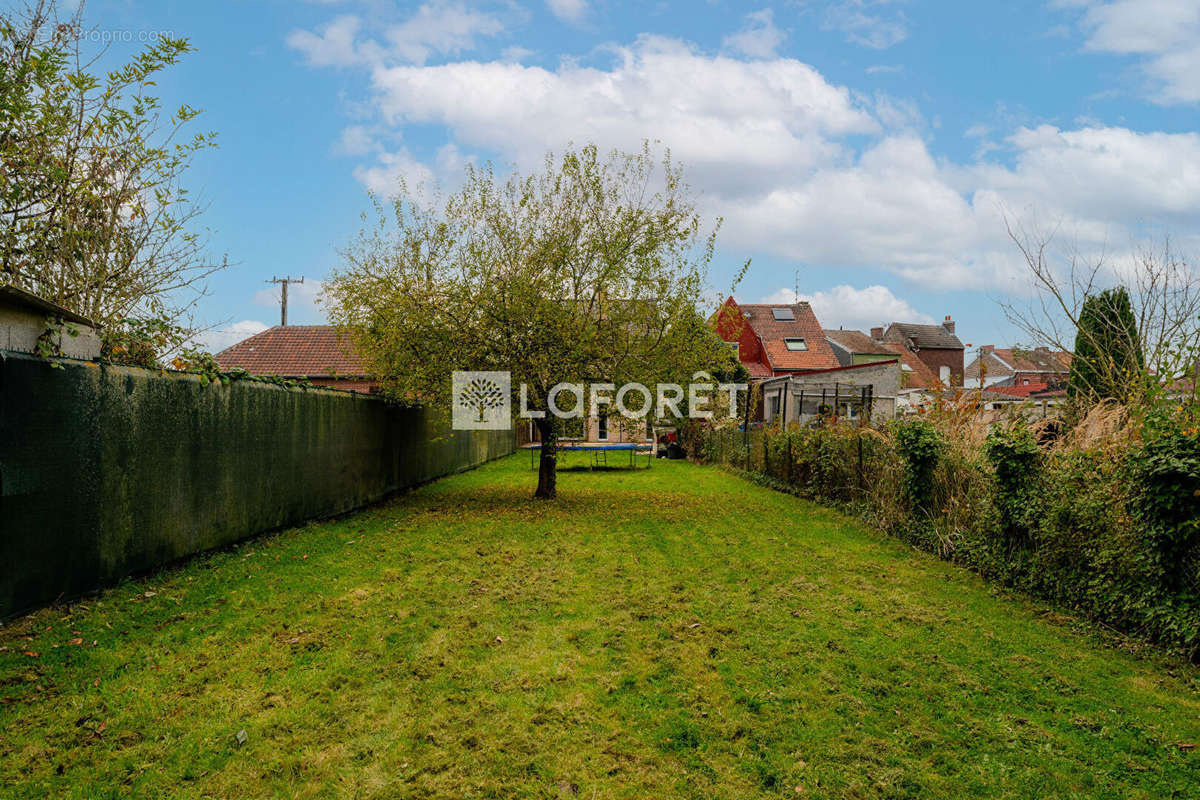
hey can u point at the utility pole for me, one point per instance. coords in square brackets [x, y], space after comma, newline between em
[283, 284]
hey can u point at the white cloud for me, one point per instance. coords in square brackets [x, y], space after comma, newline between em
[1165, 32]
[758, 38]
[858, 309]
[333, 44]
[568, 10]
[214, 341]
[867, 22]
[800, 168]
[734, 123]
[357, 140]
[436, 28]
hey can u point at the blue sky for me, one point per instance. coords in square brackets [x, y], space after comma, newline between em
[863, 152]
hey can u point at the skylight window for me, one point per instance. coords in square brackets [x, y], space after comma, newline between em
[783, 315]
[796, 344]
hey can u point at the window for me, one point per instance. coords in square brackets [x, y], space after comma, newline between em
[944, 374]
[783, 314]
[795, 344]
[602, 432]
[772, 406]
[736, 347]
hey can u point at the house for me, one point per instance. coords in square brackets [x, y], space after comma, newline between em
[856, 347]
[318, 353]
[849, 392]
[1018, 367]
[25, 320]
[914, 373]
[935, 346]
[1033, 400]
[775, 339]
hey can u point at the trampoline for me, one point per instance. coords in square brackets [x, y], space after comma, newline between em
[598, 452]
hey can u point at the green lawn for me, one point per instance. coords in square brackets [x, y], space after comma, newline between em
[677, 632]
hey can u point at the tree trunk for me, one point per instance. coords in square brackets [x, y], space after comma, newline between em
[548, 464]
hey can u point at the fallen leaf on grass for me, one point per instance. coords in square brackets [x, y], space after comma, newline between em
[76, 641]
[149, 594]
[32, 653]
[1185, 746]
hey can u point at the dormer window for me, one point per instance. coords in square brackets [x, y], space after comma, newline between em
[795, 344]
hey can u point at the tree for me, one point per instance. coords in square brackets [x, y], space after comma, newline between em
[590, 270]
[93, 212]
[1148, 307]
[1108, 361]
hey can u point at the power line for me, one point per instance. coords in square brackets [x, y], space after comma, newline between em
[283, 307]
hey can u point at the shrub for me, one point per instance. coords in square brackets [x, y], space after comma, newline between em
[919, 445]
[1103, 518]
[1164, 475]
[1014, 455]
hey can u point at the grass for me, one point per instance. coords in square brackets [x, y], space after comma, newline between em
[677, 632]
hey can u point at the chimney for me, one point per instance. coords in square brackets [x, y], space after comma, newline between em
[948, 324]
[877, 333]
[988, 349]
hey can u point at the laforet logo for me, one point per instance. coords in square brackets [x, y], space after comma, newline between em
[481, 400]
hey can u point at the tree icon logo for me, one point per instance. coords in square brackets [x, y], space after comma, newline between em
[481, 394]
[481, 400]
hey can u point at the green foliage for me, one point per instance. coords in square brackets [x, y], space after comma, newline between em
[920, 446]
[141, 342]
[93, 213]
[1014, 455]
[49, 341]
[578, 273]
[1108, 362]
[1165, 475]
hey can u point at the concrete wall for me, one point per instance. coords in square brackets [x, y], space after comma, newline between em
[108, 471]
[20, 328]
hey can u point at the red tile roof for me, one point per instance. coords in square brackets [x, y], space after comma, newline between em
[1036, 360]
[918, 375]
[1004, 361]
[295, 351]
[757, 369]
[819, 354]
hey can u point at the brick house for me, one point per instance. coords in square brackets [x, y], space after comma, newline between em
[315, 352]
[1017, 367]
[914, 373]
[935, 346]
[775, 339]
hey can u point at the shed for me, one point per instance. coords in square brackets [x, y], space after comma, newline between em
[24, 318]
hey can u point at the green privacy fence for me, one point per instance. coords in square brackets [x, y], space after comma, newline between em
[110, 471]
[838, 463]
